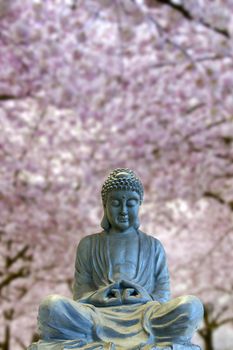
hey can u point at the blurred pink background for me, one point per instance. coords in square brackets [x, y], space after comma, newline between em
[88, 86]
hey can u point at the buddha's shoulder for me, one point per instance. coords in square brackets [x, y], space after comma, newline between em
[87, 240]
[152, 238]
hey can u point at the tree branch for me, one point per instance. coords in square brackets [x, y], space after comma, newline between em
[20, 254]
[226, 320]
[187, 14]
[177, 7]
[218, 198]
[219, 314]
[21, 273]
[216, 245]
[168, 40]
[225, 290]
[21, 344]
[214, 196]
[8, 97]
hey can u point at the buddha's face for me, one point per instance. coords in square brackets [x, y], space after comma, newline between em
[122, 209]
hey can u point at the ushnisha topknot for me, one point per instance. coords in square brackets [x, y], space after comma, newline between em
[122, 179]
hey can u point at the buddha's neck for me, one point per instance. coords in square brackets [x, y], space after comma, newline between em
[120, 234]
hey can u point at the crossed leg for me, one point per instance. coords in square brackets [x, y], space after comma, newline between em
[61, 318]
[175, 321]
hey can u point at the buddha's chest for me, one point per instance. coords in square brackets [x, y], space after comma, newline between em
[123, 255]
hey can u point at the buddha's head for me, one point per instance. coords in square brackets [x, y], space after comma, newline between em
[122, 195]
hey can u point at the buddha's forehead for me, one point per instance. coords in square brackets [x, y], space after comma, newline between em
[123, 194]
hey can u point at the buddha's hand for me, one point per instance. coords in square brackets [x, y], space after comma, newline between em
[107, 296]
[132, 293]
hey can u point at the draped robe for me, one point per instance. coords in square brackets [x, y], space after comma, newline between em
[93, 268]
[78, 324]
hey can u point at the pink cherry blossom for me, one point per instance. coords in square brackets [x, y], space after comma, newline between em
[88, 86]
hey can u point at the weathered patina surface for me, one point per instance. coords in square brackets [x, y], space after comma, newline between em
[121, 286]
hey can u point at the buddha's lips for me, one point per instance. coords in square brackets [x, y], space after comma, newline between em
[123, 219]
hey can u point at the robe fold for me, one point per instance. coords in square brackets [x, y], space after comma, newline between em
[93, 268]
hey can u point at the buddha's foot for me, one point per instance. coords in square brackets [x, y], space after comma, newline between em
[172, 347]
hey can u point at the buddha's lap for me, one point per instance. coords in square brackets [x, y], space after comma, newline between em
[57, 309]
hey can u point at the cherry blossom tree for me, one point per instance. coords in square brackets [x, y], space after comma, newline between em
[87, 86]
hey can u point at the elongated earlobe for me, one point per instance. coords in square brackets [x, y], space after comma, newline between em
[136, 223]
[105, 223]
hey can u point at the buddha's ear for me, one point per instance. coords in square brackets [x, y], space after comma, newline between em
[105, 223]
[136, 223]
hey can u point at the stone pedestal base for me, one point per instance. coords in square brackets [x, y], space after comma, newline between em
[75, 345]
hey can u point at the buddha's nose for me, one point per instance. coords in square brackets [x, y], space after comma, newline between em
[123, 210]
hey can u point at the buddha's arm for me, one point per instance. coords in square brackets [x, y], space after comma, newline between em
[84, 289]
[83, 285]
[161, 291]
